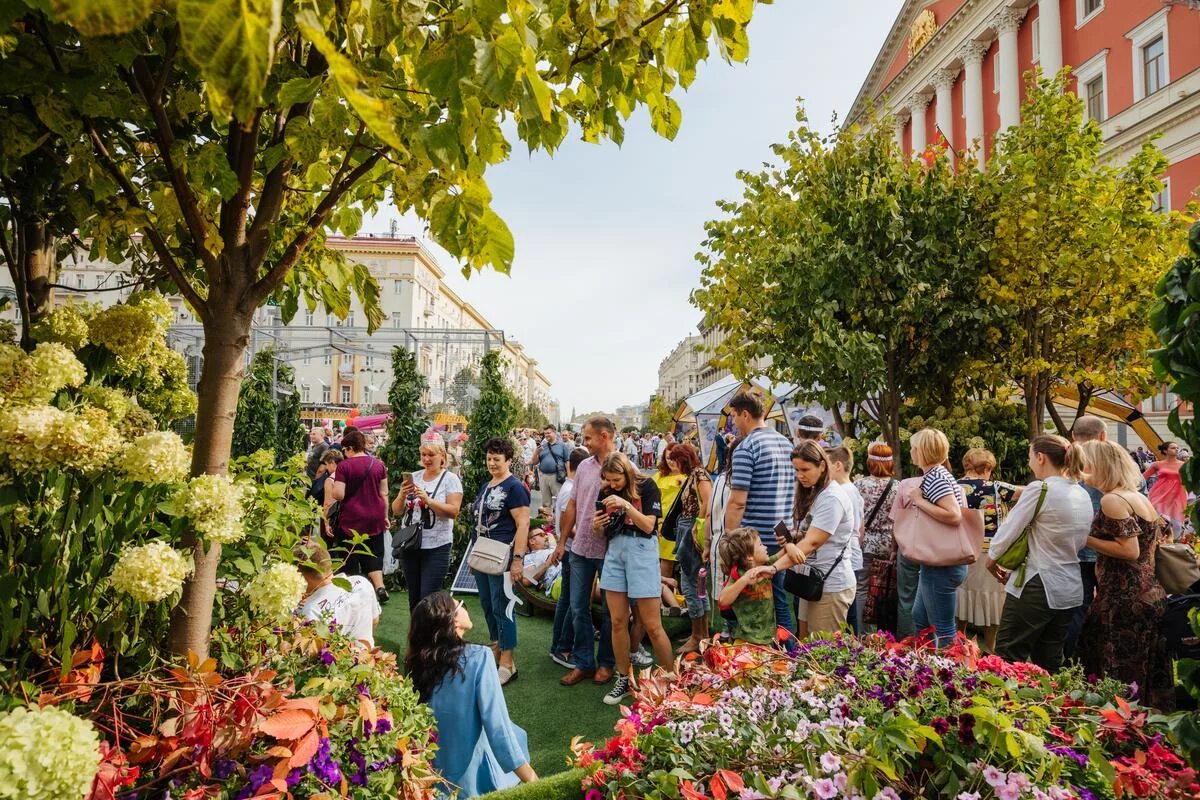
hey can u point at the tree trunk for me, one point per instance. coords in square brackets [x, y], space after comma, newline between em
[226, 337]
[38, 264]
[1085, 391]
[1059, 423]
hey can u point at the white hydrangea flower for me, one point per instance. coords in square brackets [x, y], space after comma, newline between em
[156, 457]
[34, 438]
[276, 591]
[54, 366]
[46, 754]
[214, 505]
[150, 572]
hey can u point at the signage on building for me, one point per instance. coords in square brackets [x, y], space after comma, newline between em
[921, 32]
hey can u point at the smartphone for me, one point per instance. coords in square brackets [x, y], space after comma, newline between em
[600, 506]
[781, 529]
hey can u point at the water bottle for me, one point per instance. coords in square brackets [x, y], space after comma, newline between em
[702, 579]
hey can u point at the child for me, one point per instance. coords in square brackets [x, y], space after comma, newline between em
[841, 462]
[748, 591]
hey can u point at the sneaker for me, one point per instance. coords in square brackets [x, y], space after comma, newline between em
[562, 659]
[641, 658]
[619, 691]
[382, 595]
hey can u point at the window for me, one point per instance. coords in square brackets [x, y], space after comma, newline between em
[370, 361]
[1092, 86]
[345, 394]
[308, 318]
[1151, 48]
[1036, 31]
[397, 320]
[1094, 93]
[307, 359]
[79, 280]
[325, 394]
[304, 393]
[350, 320]
[397, 287]
[347, 361]
[330, 320]
[1162, 199]
[1085, 10]
[1154, 66]
[328, 359]
[366, 395]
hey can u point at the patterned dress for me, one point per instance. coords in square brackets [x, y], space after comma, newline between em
[1122, 637]
[981, 597]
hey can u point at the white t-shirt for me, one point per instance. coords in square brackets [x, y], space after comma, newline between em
[527, 450]
[354, 612]
[560, 503]
[534, 559]
[442, 532]
[833, 512]
[854, 552]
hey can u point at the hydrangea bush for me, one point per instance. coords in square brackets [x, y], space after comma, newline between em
[46, 754]
[870, 718]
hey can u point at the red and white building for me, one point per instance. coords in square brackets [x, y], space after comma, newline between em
[958, 66]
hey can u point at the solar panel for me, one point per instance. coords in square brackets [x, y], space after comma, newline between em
[464, 579]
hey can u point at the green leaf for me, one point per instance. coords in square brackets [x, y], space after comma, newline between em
[233, 44]
[298, 90]
[665, 117]
[103, 17]
[498, 63]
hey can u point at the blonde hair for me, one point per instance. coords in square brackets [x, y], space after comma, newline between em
[438, 447]
[929, 447]
[312, 559]
[1062, 454]
[979, 460]
[1109, 466]
[737, 549]
[618, 464]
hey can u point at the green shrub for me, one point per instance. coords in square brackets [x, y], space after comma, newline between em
[563, 786]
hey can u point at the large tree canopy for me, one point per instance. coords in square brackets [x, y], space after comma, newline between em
[234, 133]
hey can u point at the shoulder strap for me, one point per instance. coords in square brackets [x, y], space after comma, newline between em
[438, 485]
[879, 503]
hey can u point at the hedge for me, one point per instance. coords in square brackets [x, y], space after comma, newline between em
[563, 786]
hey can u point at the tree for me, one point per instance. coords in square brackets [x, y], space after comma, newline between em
[852, 269]
[268, 410]
[1077, 246]
[238, 133]
[463, 390]
[530, 416]
[402, 451]
[661, 417]
[495, 416]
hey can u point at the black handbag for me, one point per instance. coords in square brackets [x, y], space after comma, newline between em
[810, 584]
[673, 513]
[407, 539]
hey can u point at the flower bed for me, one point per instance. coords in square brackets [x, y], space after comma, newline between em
[873, 718]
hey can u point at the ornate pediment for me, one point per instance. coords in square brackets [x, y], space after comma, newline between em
[922, 31]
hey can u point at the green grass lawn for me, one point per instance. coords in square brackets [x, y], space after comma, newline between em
[551, 714]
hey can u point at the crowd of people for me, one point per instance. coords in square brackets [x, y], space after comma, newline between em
[788, 538]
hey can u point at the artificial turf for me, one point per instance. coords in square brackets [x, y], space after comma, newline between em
[551, 714]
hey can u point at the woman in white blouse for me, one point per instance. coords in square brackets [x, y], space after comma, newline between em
[1038, 611]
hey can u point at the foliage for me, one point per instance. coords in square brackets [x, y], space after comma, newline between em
[661, 416]
[847, 717]
[30, 770]
[1177, 361]
[401, 452]
[1075, 246]
[268, 409]
[463, 390]
[994, 424]
[852, 269]
[530, 416]
[563, 786]
[292, 708]
[495, 416]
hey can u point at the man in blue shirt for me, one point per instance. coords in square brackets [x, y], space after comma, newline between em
[551, 460]
[762, 485]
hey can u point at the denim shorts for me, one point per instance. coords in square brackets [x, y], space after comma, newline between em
[631, 566]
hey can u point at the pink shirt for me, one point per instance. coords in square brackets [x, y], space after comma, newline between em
[587, 489]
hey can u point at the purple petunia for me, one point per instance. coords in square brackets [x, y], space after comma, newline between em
[260, 775]
[324, 766]
[326, 656]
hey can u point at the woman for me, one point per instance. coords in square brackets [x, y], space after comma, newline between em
[824, 513]
[627, 512]
[439, 490]
[1167, 495]
[1122, 636]
[360, 485]
[479, 748]
[716, 529]
[941, 498]
[669, 481]
[981, 597]
[325, 469]
[1037, 612]
[502, 513]
[878, 488]
[695, 496]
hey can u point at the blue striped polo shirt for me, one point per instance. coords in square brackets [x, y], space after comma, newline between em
[762, 465]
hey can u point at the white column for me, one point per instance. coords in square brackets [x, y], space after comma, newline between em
[916, 106]
[1050, 36]
[972, 54]
[943, 82]
[898, 130]
[1006, 24]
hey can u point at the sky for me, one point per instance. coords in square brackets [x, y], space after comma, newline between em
[606, 237]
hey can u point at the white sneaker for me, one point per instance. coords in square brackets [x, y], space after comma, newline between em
[619, 691]
[641, 658]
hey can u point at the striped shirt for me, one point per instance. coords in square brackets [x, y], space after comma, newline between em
[762, 466]
[938, 483]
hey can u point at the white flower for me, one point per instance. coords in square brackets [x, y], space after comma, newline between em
[214, 505]
[46, 754]
[55, 366]
[33, 438]
[156, 457]
[150, 572]
[276, 591]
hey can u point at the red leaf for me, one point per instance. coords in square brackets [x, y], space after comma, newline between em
[732, 780]
[717, 787]
[305, 750]
[288, 724]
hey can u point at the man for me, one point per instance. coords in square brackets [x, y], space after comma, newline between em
[762, 485]
[551, 459]
[586, 558]
[561, 645]
[810, 427]
[316, 448]
[355, 612]
[632, 448]
[648, 448]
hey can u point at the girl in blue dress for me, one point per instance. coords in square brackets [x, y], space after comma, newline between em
[479, 748]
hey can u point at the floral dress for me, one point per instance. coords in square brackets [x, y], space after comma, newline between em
[1122, 637]
[981, 596]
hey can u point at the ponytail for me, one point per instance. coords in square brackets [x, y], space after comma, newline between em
[1069, 458]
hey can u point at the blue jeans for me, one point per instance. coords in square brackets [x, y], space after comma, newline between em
[491, 597]
[907, 575]
[583, 575]
[689, 570]
[783, 608]
[937, 596]
[564, 630]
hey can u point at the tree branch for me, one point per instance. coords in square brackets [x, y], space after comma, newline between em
[265, 285]
[242, 148]
[587, 55]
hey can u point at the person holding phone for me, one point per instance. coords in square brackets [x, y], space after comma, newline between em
[440, 491]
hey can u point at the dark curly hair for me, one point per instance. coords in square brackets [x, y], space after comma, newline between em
[434, 646]
[501, 446]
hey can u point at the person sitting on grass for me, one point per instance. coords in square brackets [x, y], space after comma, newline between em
[355, 612]
[748, 592]
[540, 570]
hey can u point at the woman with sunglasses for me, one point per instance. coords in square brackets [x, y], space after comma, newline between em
[479, 750]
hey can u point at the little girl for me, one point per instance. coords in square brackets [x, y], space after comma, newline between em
[748, 591]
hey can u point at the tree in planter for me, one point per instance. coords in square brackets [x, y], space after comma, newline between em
[495, 415]
[1076, 246]
[242, 132]
[852, 269]
[402, 451]
[268, 409]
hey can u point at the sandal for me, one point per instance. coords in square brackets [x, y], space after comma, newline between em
[507, 674]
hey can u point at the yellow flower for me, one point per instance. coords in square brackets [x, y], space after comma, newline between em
[34, 438]
[150, 572]
[155, 457]
[213, 503]
[276, 591]
[46, 754]
[67, 325]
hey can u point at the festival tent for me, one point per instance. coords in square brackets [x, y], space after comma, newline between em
[1111, 406]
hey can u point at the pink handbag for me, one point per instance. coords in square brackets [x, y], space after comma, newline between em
[924, 540]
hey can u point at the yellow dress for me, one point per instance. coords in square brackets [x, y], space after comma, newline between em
[669, 486]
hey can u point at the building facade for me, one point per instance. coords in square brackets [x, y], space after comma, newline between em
[679, 372]
[954, 69]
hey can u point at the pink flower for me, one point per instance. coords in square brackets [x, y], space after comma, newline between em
[1020, 780]
[830, 762]
[824, 789]
[888, 793]
[994, 777]
[1008, 791]
[594, 794]
[968, 796]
